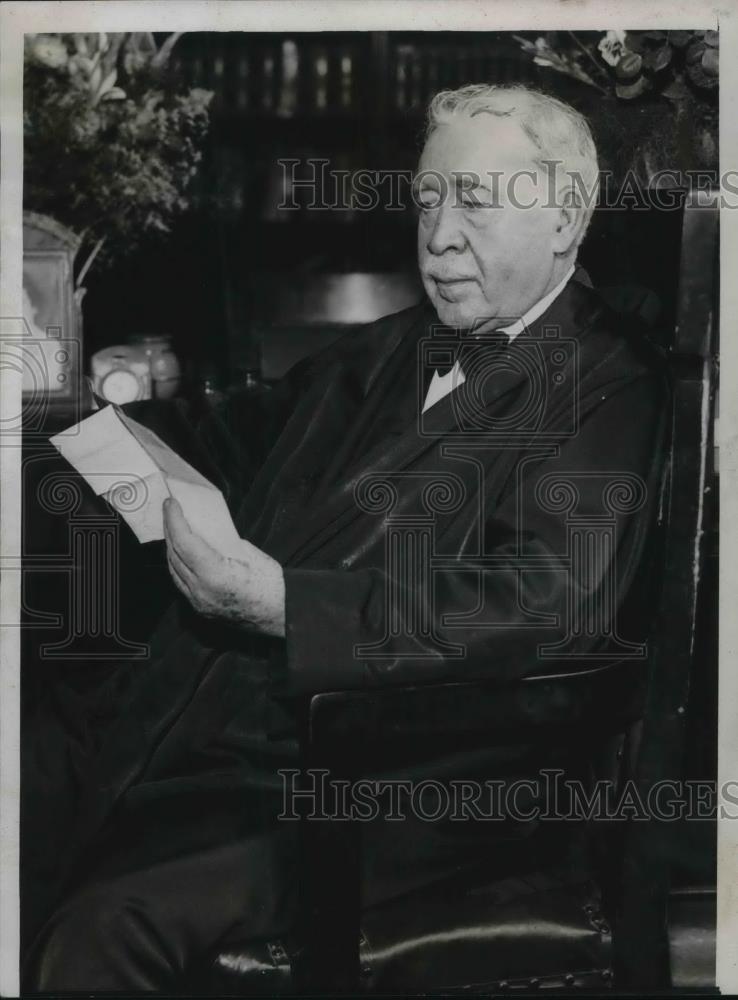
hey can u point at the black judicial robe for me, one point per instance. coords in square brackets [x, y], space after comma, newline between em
[189, 759]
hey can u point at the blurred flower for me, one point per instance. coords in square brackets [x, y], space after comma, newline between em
[49, 51]
[543, 54]
[108, 152]
[612, 47]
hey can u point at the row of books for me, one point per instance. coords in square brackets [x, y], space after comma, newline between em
[283, 80]
[301, 77]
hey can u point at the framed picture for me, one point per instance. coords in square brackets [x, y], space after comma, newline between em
[50, 350]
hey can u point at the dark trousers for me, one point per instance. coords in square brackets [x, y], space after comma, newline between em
[145, 931]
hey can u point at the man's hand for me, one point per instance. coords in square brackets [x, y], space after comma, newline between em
[243, 587]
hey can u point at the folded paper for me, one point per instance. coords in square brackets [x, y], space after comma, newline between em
[135, 471]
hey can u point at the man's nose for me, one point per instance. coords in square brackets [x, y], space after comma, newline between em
[446, 233]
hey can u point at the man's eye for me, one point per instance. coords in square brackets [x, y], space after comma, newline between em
[427, 198]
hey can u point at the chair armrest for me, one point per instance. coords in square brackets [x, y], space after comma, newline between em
[605, 699]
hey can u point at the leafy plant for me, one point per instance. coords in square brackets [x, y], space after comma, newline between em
[630, 64]
[112, 143]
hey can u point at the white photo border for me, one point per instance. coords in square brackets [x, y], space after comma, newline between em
[16, 18]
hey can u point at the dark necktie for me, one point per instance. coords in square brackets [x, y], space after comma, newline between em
[472, 353]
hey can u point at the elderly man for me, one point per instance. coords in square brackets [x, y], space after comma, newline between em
[514, 390]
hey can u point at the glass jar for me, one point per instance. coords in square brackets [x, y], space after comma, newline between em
[166, 371]
[121, 374]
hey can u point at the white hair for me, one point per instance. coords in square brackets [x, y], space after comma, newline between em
[559, 132]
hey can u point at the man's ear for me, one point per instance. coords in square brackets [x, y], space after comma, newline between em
[570, 223]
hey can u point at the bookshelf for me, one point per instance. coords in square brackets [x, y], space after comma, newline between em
[357, 99]
[337, 74]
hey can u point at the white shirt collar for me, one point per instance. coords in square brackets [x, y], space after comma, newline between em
[538, 309]
[442, 385]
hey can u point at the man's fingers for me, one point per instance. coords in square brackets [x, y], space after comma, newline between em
[179, 581]
[178, 565]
